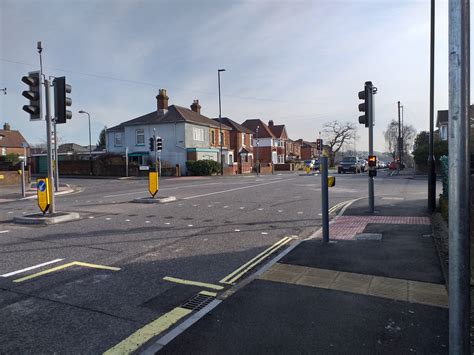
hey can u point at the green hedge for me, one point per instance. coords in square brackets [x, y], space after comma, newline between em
[203, 167]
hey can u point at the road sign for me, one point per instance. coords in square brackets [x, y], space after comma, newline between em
[153, 183]
[44, 199]
[331, 181]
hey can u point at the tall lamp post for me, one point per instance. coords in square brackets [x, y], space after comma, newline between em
[221, 138]
[90, 141]
[258, 161]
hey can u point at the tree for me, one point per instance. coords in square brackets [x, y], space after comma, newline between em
[391, 138]
[421, 150]
[101, 141]
[336, 134]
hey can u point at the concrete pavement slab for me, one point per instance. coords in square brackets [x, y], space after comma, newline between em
[276, 318]
[403, 253]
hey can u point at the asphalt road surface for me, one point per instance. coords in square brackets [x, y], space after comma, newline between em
[86, 285]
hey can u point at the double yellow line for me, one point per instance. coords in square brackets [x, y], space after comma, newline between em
[238, 273]
[334, 208]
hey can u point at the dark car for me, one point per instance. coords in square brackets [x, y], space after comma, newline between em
[349, 164]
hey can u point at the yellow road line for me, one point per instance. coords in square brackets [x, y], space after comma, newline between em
[60, 267]
[207, 293]
[195, 283]
[142, 335]
[256, 259]
[335, 207]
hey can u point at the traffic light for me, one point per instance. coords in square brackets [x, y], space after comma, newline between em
[159, 144]
[364, 106]
[319, 144]
[61, 101]
[372, 161]
[152, 144]
[33, 94]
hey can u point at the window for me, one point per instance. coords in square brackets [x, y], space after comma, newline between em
[243, 138]
[281, 159]
[213, 137]
[198, 134]
[231, 159]
[140, 137]
[117, 139]
[222, 139]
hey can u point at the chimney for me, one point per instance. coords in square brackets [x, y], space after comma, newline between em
[162, 101]
[196, 107]
[270, 123]
[6, 126]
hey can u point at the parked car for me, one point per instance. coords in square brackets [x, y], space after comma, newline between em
[363, 165]
[349, 164]
[393, 165]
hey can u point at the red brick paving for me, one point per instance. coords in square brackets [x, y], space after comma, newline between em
[346, 227]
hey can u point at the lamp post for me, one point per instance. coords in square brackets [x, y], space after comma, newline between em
[90, 143]
[258, 161]
[220, 116]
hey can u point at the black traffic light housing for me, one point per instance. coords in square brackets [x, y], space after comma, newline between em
[159, 144]
[365, 106]
[319, 144]
[152, 143]
[61, 101]
[33, 94]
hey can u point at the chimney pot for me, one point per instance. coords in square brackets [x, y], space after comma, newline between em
[196, 107]
[270, 123]
[162, 101]
[6, 126]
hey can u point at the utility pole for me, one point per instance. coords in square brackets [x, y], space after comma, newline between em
[48, 142]
[56, 163]
[258, 160]
[459, 204]
[431, 158]
[399, 139]
[221, 138]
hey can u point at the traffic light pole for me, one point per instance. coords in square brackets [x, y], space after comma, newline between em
[156, 153]
[56, 163]
[49, 146]
[370, 98]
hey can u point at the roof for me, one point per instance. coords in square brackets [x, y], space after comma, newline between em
[12, 139]
[279, 131]
[234, 125]
[73, 147]
[263, 132]
[306, 144]
[442, 118]
[172, 115]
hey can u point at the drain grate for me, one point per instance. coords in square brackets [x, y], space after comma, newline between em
[197, 302]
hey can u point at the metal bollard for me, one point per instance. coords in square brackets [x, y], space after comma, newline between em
[324, 197]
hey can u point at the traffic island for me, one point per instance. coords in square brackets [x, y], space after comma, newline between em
[40, 218]
[155, 200]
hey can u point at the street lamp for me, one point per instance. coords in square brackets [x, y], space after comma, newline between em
[90, 143]
[258, 161]
[220, 117]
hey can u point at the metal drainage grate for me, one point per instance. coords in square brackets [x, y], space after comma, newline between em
[197, 302]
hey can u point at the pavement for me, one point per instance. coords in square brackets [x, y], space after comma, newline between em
[348, 296]
[12, 193]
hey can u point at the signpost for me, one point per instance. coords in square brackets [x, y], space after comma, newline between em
[153, 183]
[43, 193]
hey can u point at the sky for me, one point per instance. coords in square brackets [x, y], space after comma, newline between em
[299, 63]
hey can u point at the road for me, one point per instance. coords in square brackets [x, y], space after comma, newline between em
[134, 255]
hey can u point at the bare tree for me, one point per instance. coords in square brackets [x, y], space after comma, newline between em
[336, 134]
[391, 138]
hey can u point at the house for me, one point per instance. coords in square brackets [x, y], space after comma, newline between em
[442, 124]
[293, 150]
[309, 150]
[240, 144]
[186, 135]
[12, 142]
[268, 147]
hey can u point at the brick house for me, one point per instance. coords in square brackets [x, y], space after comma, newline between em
[186, 135]
[293, 150]
[308, 149]
[12, 142]
[240, 144]
[269, 148]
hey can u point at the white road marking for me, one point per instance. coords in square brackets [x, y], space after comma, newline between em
[195, 205]
[320, 214]
[300, 212]
[236, 230]
[163, 188]
[167, 223]
[108, 218]
[280, 211]
[10, 211]
[190, 225]
[127, 220]
[91, 217]
[242, 208]
[209, 205]
[147, 221]
[264, 233]
[31, 268]
[235, 189]
[260, 209]
[5, 231]
[226, 206]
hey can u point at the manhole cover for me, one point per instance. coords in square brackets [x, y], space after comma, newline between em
[368, 236]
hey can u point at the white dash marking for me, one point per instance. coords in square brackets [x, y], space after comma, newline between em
[31, 268]
[10, 211]
[91, 217]
[226, 206]
[242, 208]
[280, 211]
[127, 220]
[260, 209]
[264, 233]
[236, 230]
[147, 221]
[190, 225]
[5, 231]
[108, 218]
[300, 212]
[209, 205]
[167, 223]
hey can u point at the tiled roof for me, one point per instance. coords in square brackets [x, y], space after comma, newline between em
[263, 132]
[172, 115]
[279, 131]
[11, 139]
[237, 127]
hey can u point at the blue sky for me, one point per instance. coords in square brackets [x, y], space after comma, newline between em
[300, 63]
